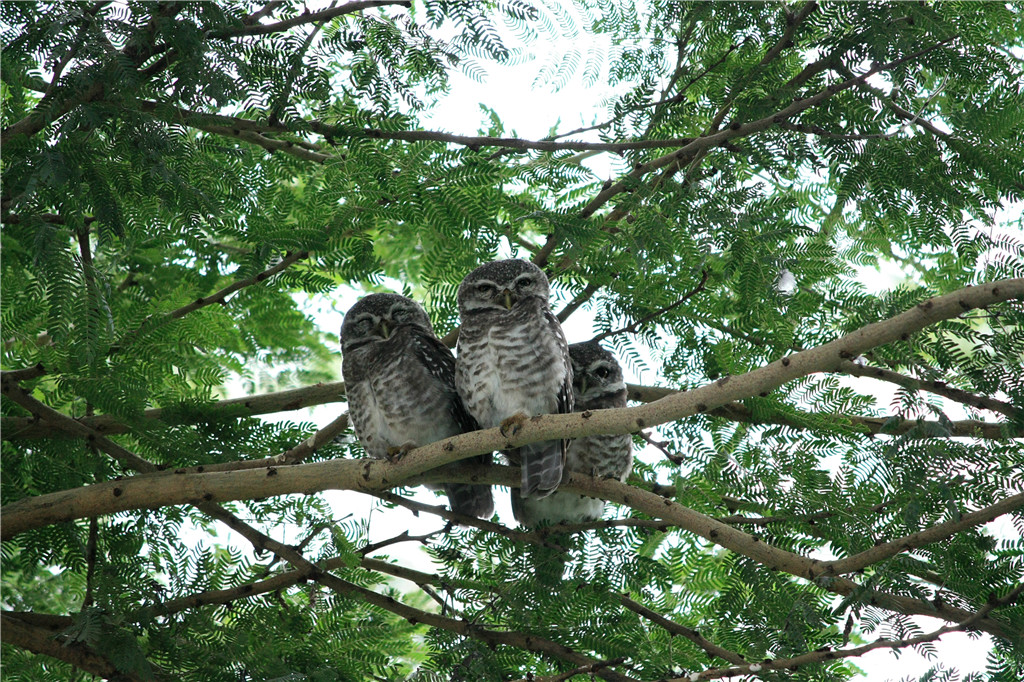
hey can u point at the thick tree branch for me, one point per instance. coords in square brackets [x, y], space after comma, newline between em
[793, 22]
[23, 374]
[376, 475]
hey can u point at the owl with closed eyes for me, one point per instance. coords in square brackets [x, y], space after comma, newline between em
[597, 385]
[513, 362]
[400, 381]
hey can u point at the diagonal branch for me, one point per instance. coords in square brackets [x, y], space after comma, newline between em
[154, 321]
[937, 532]
[634, 327]
[519, 640]
[936, 387]
[257, 29]
[690, 151]
[676, 629]
[127, 458]
[137, 52]
[827, 654]
[88, 16]
[574, 305]
[40, 640]
[376, 475]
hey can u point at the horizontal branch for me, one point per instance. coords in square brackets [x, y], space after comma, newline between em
[255, 131]
[888, 426]
[231, 408]
[268, 143]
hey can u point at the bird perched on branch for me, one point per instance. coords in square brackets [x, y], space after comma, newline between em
[400, 381]
[513, 362]
[597, 385]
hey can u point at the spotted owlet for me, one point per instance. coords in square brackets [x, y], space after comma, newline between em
[513, 362]
[597, 385]
[400, 381]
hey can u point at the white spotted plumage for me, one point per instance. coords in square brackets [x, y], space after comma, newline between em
[513, 360]
[400, 383]
[597, 385]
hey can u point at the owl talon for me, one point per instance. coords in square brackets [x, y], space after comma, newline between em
[394, 454]
[511, 426]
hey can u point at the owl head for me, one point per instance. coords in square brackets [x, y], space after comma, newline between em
[377, 316]
[502, 285]
[595, 372]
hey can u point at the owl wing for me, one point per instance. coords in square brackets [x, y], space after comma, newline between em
[440, 362]
[464, 498]
[565, 395]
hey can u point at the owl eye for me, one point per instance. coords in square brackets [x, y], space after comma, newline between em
[399, 314]
[364, 325]
[485, 288]
[602, 372]
[523, 282]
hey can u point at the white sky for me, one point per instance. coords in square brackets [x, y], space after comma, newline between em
[531, 112]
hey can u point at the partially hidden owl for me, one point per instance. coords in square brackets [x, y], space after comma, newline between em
[597, 385]
[513, 362]
[400, 382]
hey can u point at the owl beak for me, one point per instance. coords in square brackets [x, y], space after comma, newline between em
[508, 299]
[583, 385]
[382, 329]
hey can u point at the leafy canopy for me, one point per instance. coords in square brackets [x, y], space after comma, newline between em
[175, 174]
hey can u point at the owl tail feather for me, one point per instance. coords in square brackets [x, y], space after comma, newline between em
[542, 468]
[469, 499]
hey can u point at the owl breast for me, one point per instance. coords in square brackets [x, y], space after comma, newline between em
[394, 400]
[509, 363]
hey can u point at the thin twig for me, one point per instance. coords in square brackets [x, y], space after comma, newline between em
[153, 321]
[573, 305]
[828, 654]
[256, 29]
[937, 387]
[635, 326]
